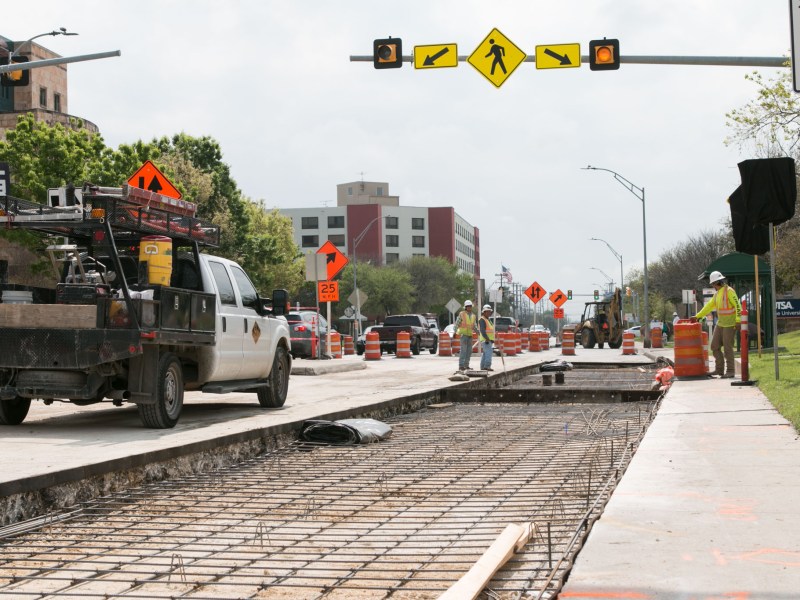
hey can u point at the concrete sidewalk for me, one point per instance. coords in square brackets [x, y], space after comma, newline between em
[708, 508]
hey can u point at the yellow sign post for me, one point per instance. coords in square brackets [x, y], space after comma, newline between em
[435, 56]
[496, 58]
[558, 56]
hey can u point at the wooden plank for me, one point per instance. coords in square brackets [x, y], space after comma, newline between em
[52, 316]
[511, 540]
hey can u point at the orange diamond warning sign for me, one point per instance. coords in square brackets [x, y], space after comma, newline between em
[148, 177]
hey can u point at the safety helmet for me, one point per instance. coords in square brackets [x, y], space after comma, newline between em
[467, 303]
[715, 276]
[487, 307]
[675, 314]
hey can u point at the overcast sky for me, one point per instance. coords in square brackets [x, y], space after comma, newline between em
[272, 81]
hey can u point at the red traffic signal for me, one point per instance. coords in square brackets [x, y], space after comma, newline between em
[604, 55]
[388, 53]
[15, 78]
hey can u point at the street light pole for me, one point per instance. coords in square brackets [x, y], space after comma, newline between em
[610, 282]
[61, 31]
[619, 258]
[356, 240]
[639, 193]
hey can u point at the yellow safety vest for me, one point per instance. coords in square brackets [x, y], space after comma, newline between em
[489, 330]
[466, 323]
[726, 303]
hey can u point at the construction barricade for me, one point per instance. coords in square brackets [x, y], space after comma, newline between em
[349, 346]
[336, 344]
[445, 348]
[568, 343]
[689, 349]
[509, 344]
[656, 337]
[534, 341]
[525, 341]
[705, 351]
[455, 344]
[628, 346]
[372, 346]
[544, 340]
[518, 341]
[403, 345]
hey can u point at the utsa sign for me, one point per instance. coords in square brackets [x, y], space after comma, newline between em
[786, 309]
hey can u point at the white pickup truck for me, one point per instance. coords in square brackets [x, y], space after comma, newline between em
[106, 332]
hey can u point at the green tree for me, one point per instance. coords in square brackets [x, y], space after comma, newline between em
[434, 280]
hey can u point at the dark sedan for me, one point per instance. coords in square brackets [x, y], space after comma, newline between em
[307, 330]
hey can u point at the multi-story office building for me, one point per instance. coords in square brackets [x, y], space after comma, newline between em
[369, 223]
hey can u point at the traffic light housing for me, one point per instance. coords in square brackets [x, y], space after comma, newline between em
[388, 53]
[627, 291]
[569, 294]
[15, 78]
[597, 294]
[604, 55]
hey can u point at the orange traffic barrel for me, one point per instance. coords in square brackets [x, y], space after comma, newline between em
[656, 338]
[336, 344]
[455, 343]
[534, 341]
[509, 344]
[627, 343]
[518, 341]
[372, 347]
[349, 347]
[705, 351]
[403, 349]
[525, 341]
[444, 344]
[568, 343]
[544, 340]
[688, 342]
[499, 342]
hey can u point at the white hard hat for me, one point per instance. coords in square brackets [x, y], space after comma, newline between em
[487, 307]
[467, 303]
[675, 314]
[715, 276]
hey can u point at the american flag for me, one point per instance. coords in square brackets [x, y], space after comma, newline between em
[507, 274]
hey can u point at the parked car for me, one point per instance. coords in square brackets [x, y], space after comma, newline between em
[636, 330]
[421, 336]
[302, 328]
[450, 330]
[538, 328]
[505, 324]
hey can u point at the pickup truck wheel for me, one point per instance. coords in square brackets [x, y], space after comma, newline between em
[13, 412]
[169, 395]
[435, 346]
[415, 346]
[273, 395]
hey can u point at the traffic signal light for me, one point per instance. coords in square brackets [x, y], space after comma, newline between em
[604, 55]
[627, 291]
[387, 54]
[597, 294]
[15, 78]
[569, 294]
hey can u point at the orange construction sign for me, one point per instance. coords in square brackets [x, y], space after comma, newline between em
[148, 177]
[335, 260]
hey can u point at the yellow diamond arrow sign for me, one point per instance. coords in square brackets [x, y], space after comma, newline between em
[558, 56]
[496, 57]
[435, 56]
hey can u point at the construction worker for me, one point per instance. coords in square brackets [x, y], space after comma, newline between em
[465, 325]
[729, 317]
[486, 336]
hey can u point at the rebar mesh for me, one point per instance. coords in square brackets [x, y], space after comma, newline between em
[403, 518]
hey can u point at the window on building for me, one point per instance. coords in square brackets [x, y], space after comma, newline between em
[310, 241]
[350, 191]
[418, 254]
[391, 223]
[309, 223]
[336, 222]
[418, 241]
[380, 190]
[392, 257]
[43, 97]
[392, 241]
[417, 223]
[337, 240]
[57, 102]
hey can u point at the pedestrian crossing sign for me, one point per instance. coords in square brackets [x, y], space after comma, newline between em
[496, 58]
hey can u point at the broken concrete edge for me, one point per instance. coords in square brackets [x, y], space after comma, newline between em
[327, 367]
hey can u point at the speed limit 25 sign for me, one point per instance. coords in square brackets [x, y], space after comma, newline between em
[328, 291]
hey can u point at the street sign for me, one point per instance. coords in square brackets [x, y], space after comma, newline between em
[496, 58]
[558, 56]
[558, 313]
[328, 291]
[558, 298]
[453, 305]
[316, 267]
[335, 259]
[358, 298]
[535, 292]
[148, 177]
[795, 21]
[435, 56]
